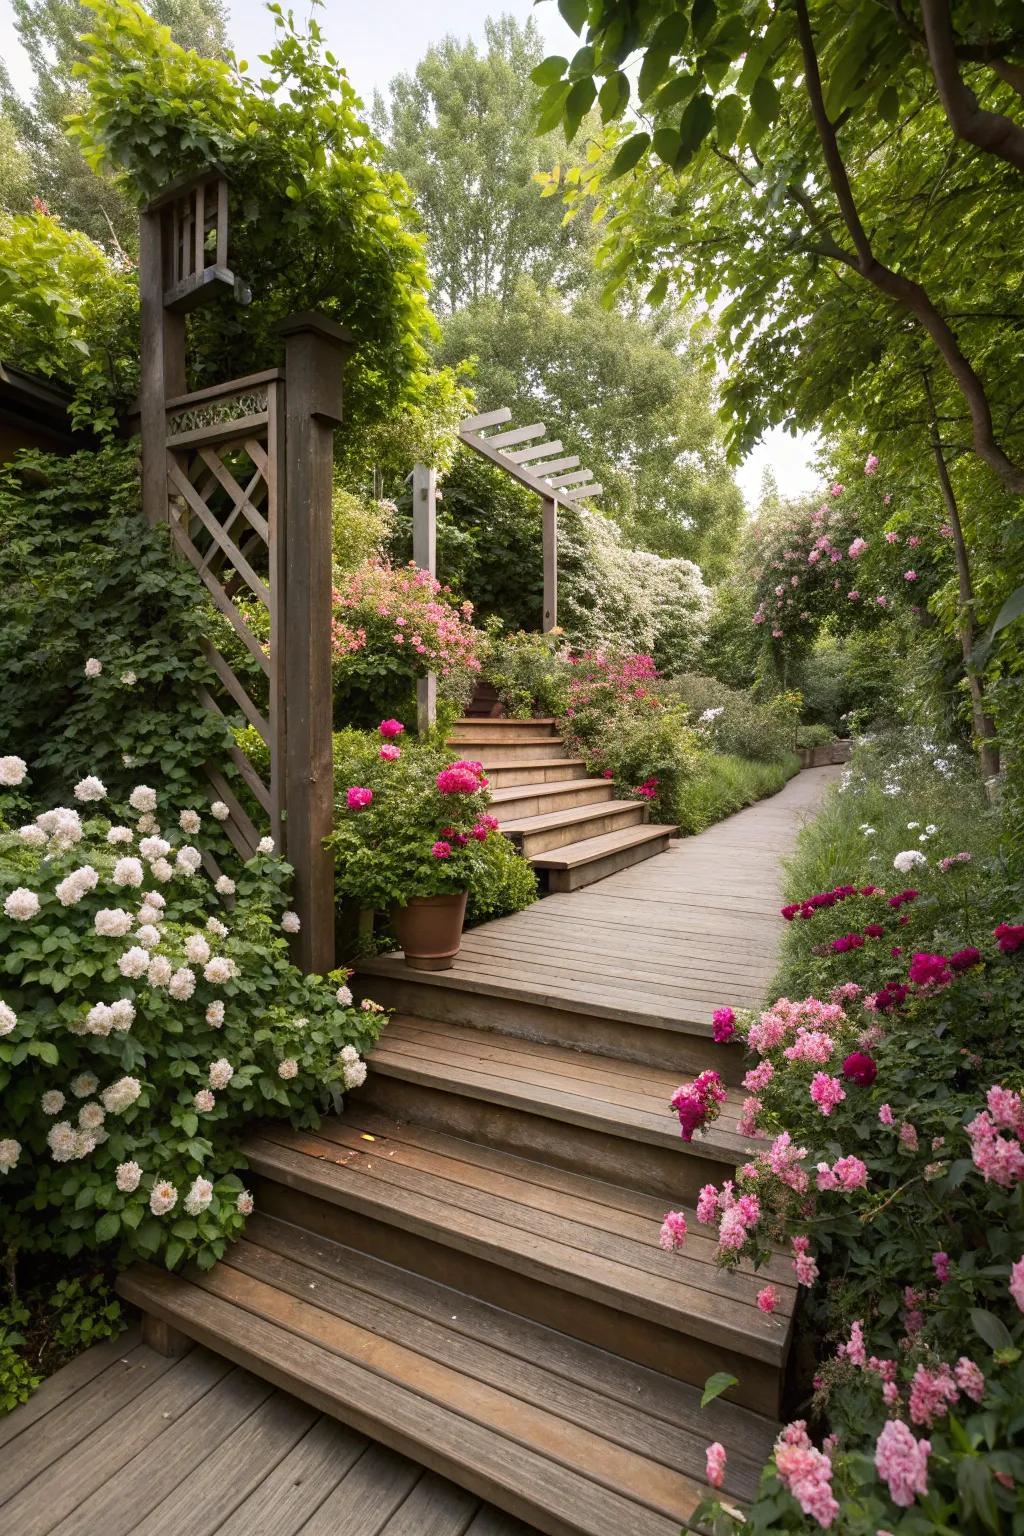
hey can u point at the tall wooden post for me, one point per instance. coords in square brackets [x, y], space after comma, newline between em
[550, 542]
[424, 553]
[315, 350]
[162, 336]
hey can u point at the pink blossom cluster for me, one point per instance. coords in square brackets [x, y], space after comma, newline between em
[804, 1266]
[999, 1158]
[932, 1394]
[846, 1173]
[784, 1018]
[952, 859]
[723, 1025]
[698, 1103]
[736, 1215]
[826, 1092]
[409, 609]
[807, 1473]
[1009, 937]
[901, 1461]
[461, 778]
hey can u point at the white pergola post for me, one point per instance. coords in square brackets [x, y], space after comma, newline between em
[424, 553]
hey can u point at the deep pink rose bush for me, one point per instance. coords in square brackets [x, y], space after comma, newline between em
[149, 1013]
[409, 821]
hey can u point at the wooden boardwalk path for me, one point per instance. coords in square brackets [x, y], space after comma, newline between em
[127, 1442]
[465, 1268]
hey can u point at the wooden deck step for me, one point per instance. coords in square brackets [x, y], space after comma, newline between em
[502, 771]
[578, 864]
[579, 1445]
[492, 731]
[565, 1250]
[535, 984]
[554, 829]
[609, 1119]
[520, 802]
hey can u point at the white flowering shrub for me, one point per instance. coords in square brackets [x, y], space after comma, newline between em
[144, 1023]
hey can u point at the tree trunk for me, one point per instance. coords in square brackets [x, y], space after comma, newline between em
[981, 720]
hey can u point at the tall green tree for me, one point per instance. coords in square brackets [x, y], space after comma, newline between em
[460, 130]
[51, 32]
[631, 395]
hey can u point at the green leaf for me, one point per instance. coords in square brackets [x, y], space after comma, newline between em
[580, 100]
[991, 1328]
[656, 293]
[549, 70]
[715, 1385]
[676, 92]
[703, 17]
[613, 96]
[582, 63]
[1011, 610]
[575, 13]
[728, 118]
[889, 104]
[108, 1226]
[628, 155]
[697, 121]
[666, 144]
[175, 1250]
[652, 71]
[764, 98]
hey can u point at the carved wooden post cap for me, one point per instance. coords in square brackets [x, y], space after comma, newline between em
[316, 348]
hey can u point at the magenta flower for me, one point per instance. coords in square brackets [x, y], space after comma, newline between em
[871, 464]
[860, 1068]
[892, 538]
[673, 1231]
[767, 1299]
[965, 959]
[441, 849]
[940, 1264]
[1009, 937]
[461, 778]
[358, 799]
[826, 1092]
[389, 752]
[930, 971]
[909, 575]
[970, 1379]
[391, 728]
[723, 1025]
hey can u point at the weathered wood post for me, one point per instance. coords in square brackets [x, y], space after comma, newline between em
[315, 351]
[424, 553]
[550, 545]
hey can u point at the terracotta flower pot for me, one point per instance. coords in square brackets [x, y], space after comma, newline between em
[430, 930]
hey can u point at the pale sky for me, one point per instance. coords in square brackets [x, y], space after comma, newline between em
[378, 40]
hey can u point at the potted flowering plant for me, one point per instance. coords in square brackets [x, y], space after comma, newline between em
[407, 839]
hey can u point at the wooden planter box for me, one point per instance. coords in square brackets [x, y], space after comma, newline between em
[822, 757]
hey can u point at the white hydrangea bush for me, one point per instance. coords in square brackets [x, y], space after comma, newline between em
[148, 1016]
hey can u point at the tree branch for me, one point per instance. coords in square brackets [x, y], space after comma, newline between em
[1013, 74]
[905, 292]
[989, 131]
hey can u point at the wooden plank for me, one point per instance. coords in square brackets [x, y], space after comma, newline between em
[234, 687]
[257, 788]
[183, 485]
[217, 391]
[70, 1478]
[424, 553]
[122, 1504]
[240, 496]
[549, 539]
[291, 1493]
[531, 1486]
[75, 1417]
[487, 419]
[516, 435]
[216, 1476]
[574, 493]
[434, 1508]
[162, 338]
[239, 816]
[374, 1489]
[66, 1382]
[235, 429]
[220, 597]
[571, 479]
[535, 452]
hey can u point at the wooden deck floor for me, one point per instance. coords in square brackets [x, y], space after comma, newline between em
[126, 1442]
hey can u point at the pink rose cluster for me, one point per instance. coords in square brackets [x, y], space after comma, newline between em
[735, 1215]
[698, 1103]
[723, 1025]
[807, 1473]
[999, 1157]
[409, 609]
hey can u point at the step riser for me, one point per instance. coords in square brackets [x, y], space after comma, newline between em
[632, 1338]
[673, 1170]
[507, 754]
[671, 1049]
[561, 880]
[544, 802]
[501, 731]
[532, 843]
[545, 773]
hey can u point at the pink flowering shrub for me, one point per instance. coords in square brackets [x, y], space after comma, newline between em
[148, 1015]
[392, 625]
[887, 1109]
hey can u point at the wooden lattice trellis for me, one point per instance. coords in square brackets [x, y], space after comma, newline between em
[242, 474]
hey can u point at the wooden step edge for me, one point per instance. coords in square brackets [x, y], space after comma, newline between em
[591, 848]
[548, 821]
[534, 1487]
[712, 1146]
[393, 968]
[491, 720]
[544, 791]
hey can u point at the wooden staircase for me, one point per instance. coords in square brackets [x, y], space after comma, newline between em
[570, 827]
[466, 1267]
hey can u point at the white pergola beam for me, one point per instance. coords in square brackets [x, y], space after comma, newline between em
[572, 479]
[576, 493]
[517, 435]
[537, 451]
[552, 466]
[488, 419]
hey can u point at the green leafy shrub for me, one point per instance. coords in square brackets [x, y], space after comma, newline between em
[144, 1025]
[69, 312]
[85, 578]
[501, 882]
[17, 1379]
[734, 721]
[85, 1312]
[529, 671]
[720, 784]
[814, 735]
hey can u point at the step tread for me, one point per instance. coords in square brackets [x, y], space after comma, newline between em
[519, 1214]
[624, 1098]
[473, 721]
[545, 791]
[559, 1475]
[549, 819]
[591, 848]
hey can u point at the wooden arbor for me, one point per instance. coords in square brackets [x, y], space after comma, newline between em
[536, 463]
[241, 472]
